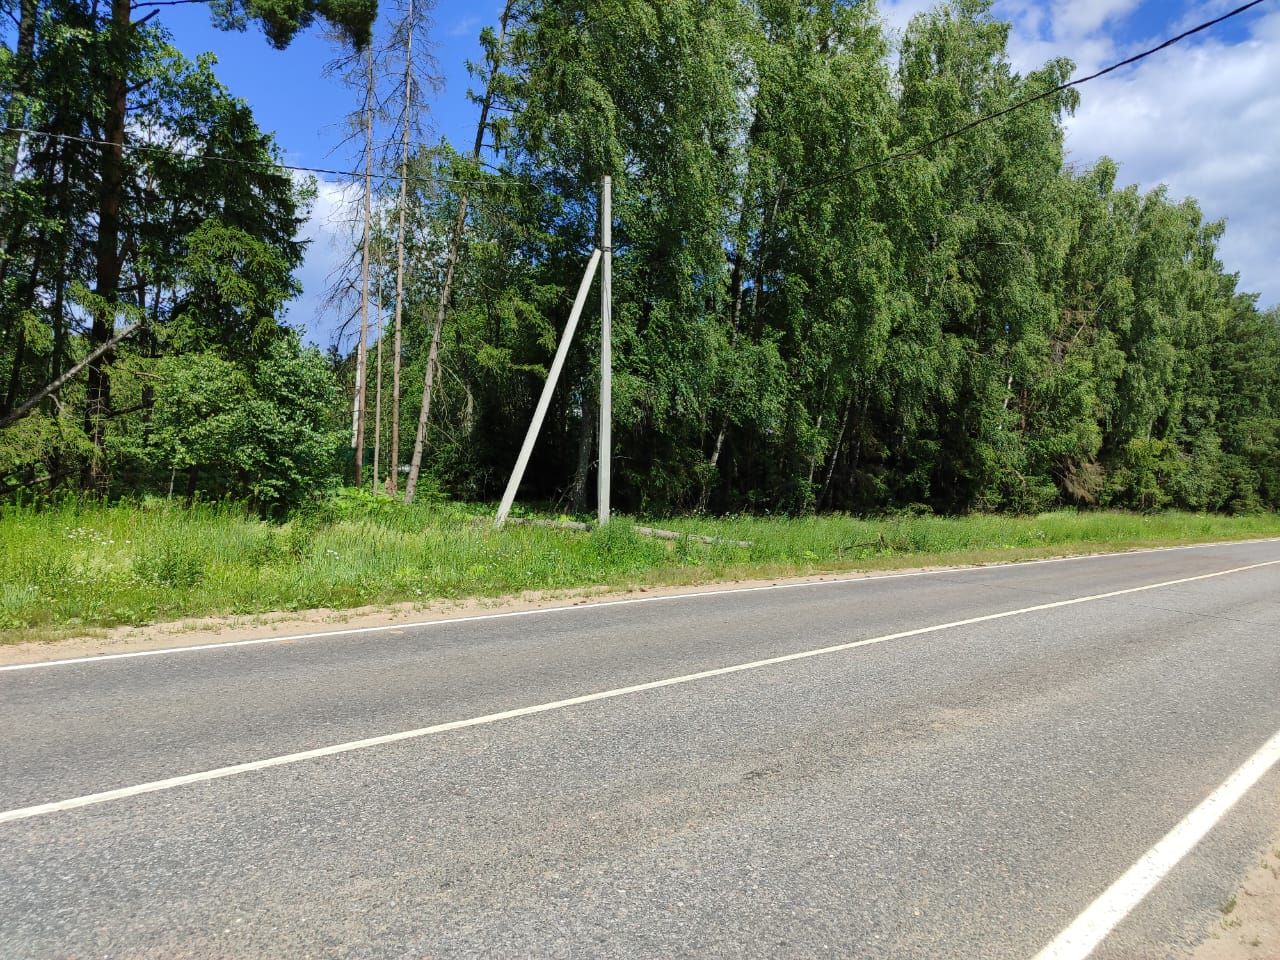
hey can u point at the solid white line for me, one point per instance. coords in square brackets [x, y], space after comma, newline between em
[231, 771]
[1089, 929]
[596, 605]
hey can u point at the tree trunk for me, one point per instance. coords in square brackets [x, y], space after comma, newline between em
[770, 215]
[52, 388]
[362, 357]
[704, 497]
[377, 388]
[58, 357]
[15, 374]
[736, 274]
[835, 451]
[586, 445]
[26, 294]
[393, 468]
[817, 426]
[9, 320]
[16, 109]
[450, 264]
[59, 353]
[109, 259]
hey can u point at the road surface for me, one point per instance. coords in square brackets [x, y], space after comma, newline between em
[954, 764]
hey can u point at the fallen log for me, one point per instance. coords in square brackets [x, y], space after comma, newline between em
[11, 418]
[643, 531]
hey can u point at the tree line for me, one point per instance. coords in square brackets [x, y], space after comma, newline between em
[798, 326]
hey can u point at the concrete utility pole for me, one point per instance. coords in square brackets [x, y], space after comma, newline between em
[602, 258]
[606, 346]
[544, 401]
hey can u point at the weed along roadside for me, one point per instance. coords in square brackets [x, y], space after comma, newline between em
[70, 569]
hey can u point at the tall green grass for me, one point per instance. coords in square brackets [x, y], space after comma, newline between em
[67, 568]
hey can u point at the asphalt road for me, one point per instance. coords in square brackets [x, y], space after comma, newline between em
[962, 791]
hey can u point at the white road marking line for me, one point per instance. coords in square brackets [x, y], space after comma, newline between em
[219, 773]
[1102, 916]
[596, 605]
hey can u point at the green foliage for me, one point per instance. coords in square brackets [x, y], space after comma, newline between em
[976, 327]
[282, 20]
[170, 564]
[259, 434]
[213, 386]
[979, 326]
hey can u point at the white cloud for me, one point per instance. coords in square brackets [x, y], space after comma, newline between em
[329, 236]
[898, 13]
[1081, 18]
[1080, 30]
[1205, 120]
[1202, 117]
[465, 27]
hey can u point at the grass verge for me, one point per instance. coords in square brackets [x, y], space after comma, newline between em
[69, 569]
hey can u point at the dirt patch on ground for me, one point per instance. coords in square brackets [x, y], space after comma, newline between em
[204, 631]
[1249, 928]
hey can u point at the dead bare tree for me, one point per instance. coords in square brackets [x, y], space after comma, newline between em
[377, 390]
[451, 258]
[393, 471]
[362, 350]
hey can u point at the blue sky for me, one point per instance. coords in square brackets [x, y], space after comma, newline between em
[1203, 118]
[291, 96]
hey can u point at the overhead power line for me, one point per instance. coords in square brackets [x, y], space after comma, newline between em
[507, 182]
[987, 118]
[263, 164]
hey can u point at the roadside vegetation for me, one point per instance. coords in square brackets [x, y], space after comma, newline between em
[826, 308]
[76, 567]
[800, 326]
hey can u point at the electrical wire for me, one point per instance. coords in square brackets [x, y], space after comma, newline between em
[271, 164]
[506, 182]
[959, 131]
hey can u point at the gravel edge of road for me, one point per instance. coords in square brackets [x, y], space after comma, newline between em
[1248, 927]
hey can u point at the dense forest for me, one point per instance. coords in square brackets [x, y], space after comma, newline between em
[799, 326]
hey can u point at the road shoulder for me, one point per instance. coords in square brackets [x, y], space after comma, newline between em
[1248, 927]
[202, 631]
[218, 630]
